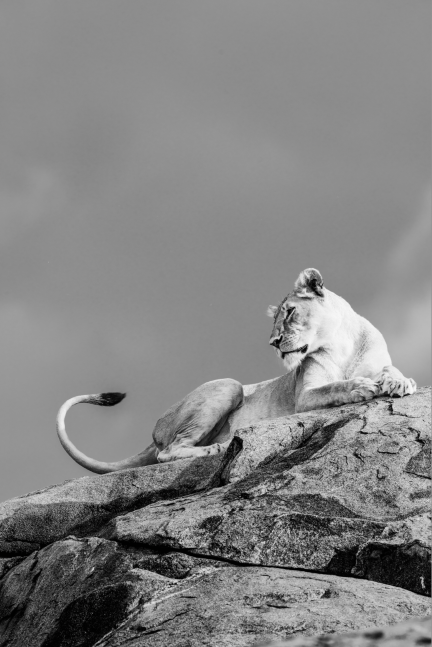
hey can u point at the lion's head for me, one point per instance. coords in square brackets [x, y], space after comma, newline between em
[304, 321]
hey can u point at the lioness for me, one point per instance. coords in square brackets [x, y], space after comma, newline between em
[332, 355]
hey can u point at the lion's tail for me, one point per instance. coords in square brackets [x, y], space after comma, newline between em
[146, 457]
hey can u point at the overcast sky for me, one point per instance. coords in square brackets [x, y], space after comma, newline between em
[166, 171]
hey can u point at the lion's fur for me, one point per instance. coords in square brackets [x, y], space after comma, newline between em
[331, 354]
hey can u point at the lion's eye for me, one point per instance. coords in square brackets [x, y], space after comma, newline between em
[289, 312]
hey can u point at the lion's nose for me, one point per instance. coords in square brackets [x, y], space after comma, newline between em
[275, 341]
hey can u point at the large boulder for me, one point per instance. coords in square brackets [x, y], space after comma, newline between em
[311, 524]
[81, 591]
[353, 499]
[81, 506]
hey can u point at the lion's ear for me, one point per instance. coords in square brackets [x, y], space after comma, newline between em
[310, 280]
[271, 311]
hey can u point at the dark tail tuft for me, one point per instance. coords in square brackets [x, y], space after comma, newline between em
[107, 399]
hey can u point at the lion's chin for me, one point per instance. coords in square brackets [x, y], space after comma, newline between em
[293, 358]
[292, 361]
[301, 349]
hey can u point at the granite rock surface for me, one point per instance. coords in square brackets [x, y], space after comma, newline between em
[406, 634]
[312, 525]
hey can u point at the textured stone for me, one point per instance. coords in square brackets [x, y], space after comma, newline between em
[6, 563]
[420, 463]
[202, 552]
[89, 578]
[83, 592]
[238, 607]
[82, 505]
[334, 501]
[405, 634]
[401, 556]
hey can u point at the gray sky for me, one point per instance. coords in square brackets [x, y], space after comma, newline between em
[166, 171]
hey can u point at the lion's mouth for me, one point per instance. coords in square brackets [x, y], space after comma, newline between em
[302, 350]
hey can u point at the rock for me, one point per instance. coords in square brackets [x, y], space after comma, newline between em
[381, 417]
[323, 507]
[72, 576]
[79, 592]
[420, 463]
[308, 524]
[406, 634]
[239, 605]
[400, 557]
[83, 505]
[6, 563]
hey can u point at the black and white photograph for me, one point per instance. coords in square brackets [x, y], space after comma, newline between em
[215, 227]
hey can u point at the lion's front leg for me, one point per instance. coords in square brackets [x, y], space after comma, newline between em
[391, 382]
[334, 394]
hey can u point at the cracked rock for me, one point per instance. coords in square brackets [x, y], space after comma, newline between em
[83, 592]
[312, 524]
[81, 506]
[317, 507]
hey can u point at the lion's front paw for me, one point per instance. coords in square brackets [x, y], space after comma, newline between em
[165, 456]
[393, 383]
[363, 389]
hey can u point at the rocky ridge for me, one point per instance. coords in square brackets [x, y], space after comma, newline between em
[310, 524]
